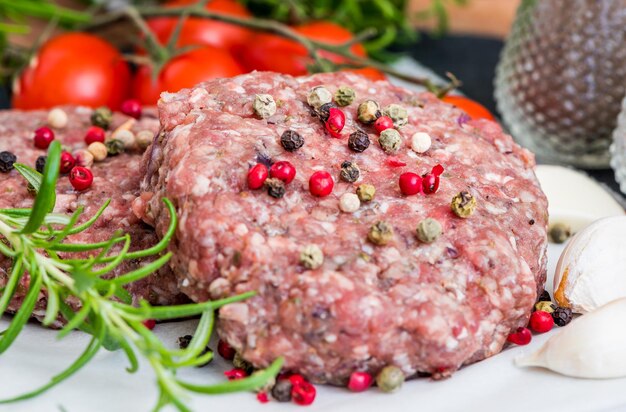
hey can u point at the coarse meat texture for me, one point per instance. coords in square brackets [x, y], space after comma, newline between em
[428, 308]
[117, 178]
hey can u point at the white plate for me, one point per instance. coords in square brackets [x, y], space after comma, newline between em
[491, 385]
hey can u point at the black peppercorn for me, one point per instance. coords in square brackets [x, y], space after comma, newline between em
[358, 141]
[183, 341]
[291, 141]
[349, 172]
[7, 159]
[562, 316]
[40, 163]
[544, 297]
[282, 390]
[323, 112]
[275, 187]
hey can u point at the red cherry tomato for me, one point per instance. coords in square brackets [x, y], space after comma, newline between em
[185, 70]
[73, 68]
[199, 31]
[270, 52]
[474, 109]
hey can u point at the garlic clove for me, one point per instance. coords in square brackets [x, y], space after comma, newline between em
[592, 346]
[590, 271]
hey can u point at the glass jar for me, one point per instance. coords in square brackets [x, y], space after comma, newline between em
[618, 149]
[562, 76]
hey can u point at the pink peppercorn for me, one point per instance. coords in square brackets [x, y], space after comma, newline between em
[360, 381]
[521, 337]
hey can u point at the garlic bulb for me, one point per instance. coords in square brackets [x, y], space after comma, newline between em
[591, 270]
[590, 347]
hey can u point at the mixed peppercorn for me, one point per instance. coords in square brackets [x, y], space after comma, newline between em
[78, 165]
[542, 320]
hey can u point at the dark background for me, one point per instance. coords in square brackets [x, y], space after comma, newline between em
[471, 59]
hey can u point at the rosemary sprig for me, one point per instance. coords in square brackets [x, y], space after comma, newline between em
[34, 238]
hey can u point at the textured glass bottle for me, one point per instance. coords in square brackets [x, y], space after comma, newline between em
[562, 76]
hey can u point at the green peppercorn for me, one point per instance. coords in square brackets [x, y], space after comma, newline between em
[429, 230]
[291, 141]
[264, 105]
[7, 160]
[350, 172]
[114, 147]
[366, 192]
[368, 111]
[390, 140]
[275, 187]
[390, 379]
[319, 96]
[463, 204]
[545, 306]
[344, 96]
[240, 363]
[311, 257]
[380, 233]
[358, 141]
[397, 113]
[560, 232]
[102, 117]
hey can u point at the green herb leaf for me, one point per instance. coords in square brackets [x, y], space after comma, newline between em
[46, 197]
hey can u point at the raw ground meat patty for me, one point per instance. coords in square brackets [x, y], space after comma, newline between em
[427, 308]
[117, 178]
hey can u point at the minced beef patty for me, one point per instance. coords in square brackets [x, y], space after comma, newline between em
[427, 308]
[117, 178]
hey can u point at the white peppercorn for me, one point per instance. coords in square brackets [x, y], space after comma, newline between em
[349, 203]
[98, 150]
[368, 111]
[264, 105]
[312, 257]
[319, 96]
[57, 118]
[83, 158]
[420, 142]
[144, 138]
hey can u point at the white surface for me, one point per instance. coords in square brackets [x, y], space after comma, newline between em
[574, 197]
[491, 385]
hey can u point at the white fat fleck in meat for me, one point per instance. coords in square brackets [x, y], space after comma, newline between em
[451, 343]
[494, 210]
[513, 242]
[527, 197]
[361, 352]
[201, 186]
[330, 338]
[236, 312]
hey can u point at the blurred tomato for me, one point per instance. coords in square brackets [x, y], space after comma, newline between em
[183, 71]
[198, 31]
[474, 109]
[270, 52]
[73, 68]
